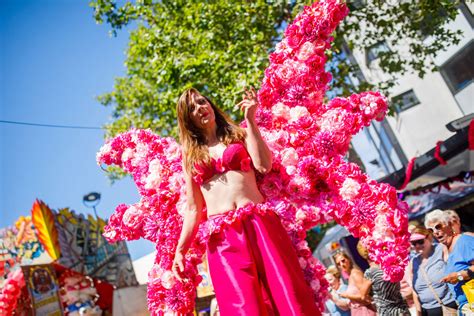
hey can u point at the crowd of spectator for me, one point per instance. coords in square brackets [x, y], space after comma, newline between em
[441, 262]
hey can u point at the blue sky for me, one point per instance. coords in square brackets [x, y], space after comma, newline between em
[54, 61]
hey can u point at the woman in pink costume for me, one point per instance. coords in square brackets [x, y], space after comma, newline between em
[254, 267]
[359, 307]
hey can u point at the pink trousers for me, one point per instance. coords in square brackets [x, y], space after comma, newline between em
[255, 270]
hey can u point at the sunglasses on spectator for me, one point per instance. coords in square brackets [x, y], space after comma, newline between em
[342, 261]
[417, 242]
[437, 227]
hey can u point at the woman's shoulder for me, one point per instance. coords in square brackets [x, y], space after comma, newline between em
[416, 258]
[462, 250]
[469, 236]
[465, 240]
[438, 250]
[373, 273]
[356, 274]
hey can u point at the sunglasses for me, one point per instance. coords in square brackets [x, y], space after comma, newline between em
[341, 261]
[417, 242]
[437, 227]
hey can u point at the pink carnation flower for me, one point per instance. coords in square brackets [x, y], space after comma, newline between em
[133, 217]
[168, 280]
[306, 50]
[349, 190]
[281, 111]
[289, 157]
[298, 112]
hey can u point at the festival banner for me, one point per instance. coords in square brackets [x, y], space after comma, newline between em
[444, 196]
[43, 288]
[19, 244]
[85, 250]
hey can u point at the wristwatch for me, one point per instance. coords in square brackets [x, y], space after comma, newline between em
[460, 277]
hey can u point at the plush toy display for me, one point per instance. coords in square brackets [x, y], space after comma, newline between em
[78, 294]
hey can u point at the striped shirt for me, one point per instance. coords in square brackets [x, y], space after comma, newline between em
[386, 295]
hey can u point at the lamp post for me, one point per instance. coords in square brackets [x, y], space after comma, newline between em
[91, 200]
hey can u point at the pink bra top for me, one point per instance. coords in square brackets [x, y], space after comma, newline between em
[235, 157]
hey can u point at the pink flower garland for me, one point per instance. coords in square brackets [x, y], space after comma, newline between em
[437, 153]
[11, 291]
[308, 148]
[409, 171]
[310, 183]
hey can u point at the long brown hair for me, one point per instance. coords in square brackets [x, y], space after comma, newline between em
[192, 138]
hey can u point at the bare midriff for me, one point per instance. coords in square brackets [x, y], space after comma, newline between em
[229, 191]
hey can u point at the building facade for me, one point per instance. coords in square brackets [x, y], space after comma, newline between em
[423, 105]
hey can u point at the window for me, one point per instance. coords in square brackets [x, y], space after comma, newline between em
[379, 150]
[374, 51]
[466, 9]
[458, 72]
[355, 4]
[405, 101]
[426, 27]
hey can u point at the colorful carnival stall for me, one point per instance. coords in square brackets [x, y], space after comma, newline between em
[58, 263]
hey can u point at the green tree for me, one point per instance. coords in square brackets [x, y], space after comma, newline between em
[222, 46]
[218, 47]
[315, 234]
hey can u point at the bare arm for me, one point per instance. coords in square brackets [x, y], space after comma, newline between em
[453, 276]
[192, 218]
[256, 146]
[363, 285]
[406, 284]
[417, 303]
[409, 279]
[340, 302]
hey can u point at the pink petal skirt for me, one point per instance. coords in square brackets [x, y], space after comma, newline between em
[254, 267]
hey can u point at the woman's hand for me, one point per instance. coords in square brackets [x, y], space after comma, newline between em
[249, 104]
[334, 295]
[453, 277]
[178, 265]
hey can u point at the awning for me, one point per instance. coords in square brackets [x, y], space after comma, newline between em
[428, 188]
[451, 196]
[334, 233]
[427, 168]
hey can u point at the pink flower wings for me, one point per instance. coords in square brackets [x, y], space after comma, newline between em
[310, 182]
[309, 140]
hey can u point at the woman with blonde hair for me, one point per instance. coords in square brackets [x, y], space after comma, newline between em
[359, 305]
[336, 305]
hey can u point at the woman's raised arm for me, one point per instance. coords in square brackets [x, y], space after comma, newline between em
[256, 146]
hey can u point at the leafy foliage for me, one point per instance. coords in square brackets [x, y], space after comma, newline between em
[415, 31]
[315, 234]
[220, 47]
